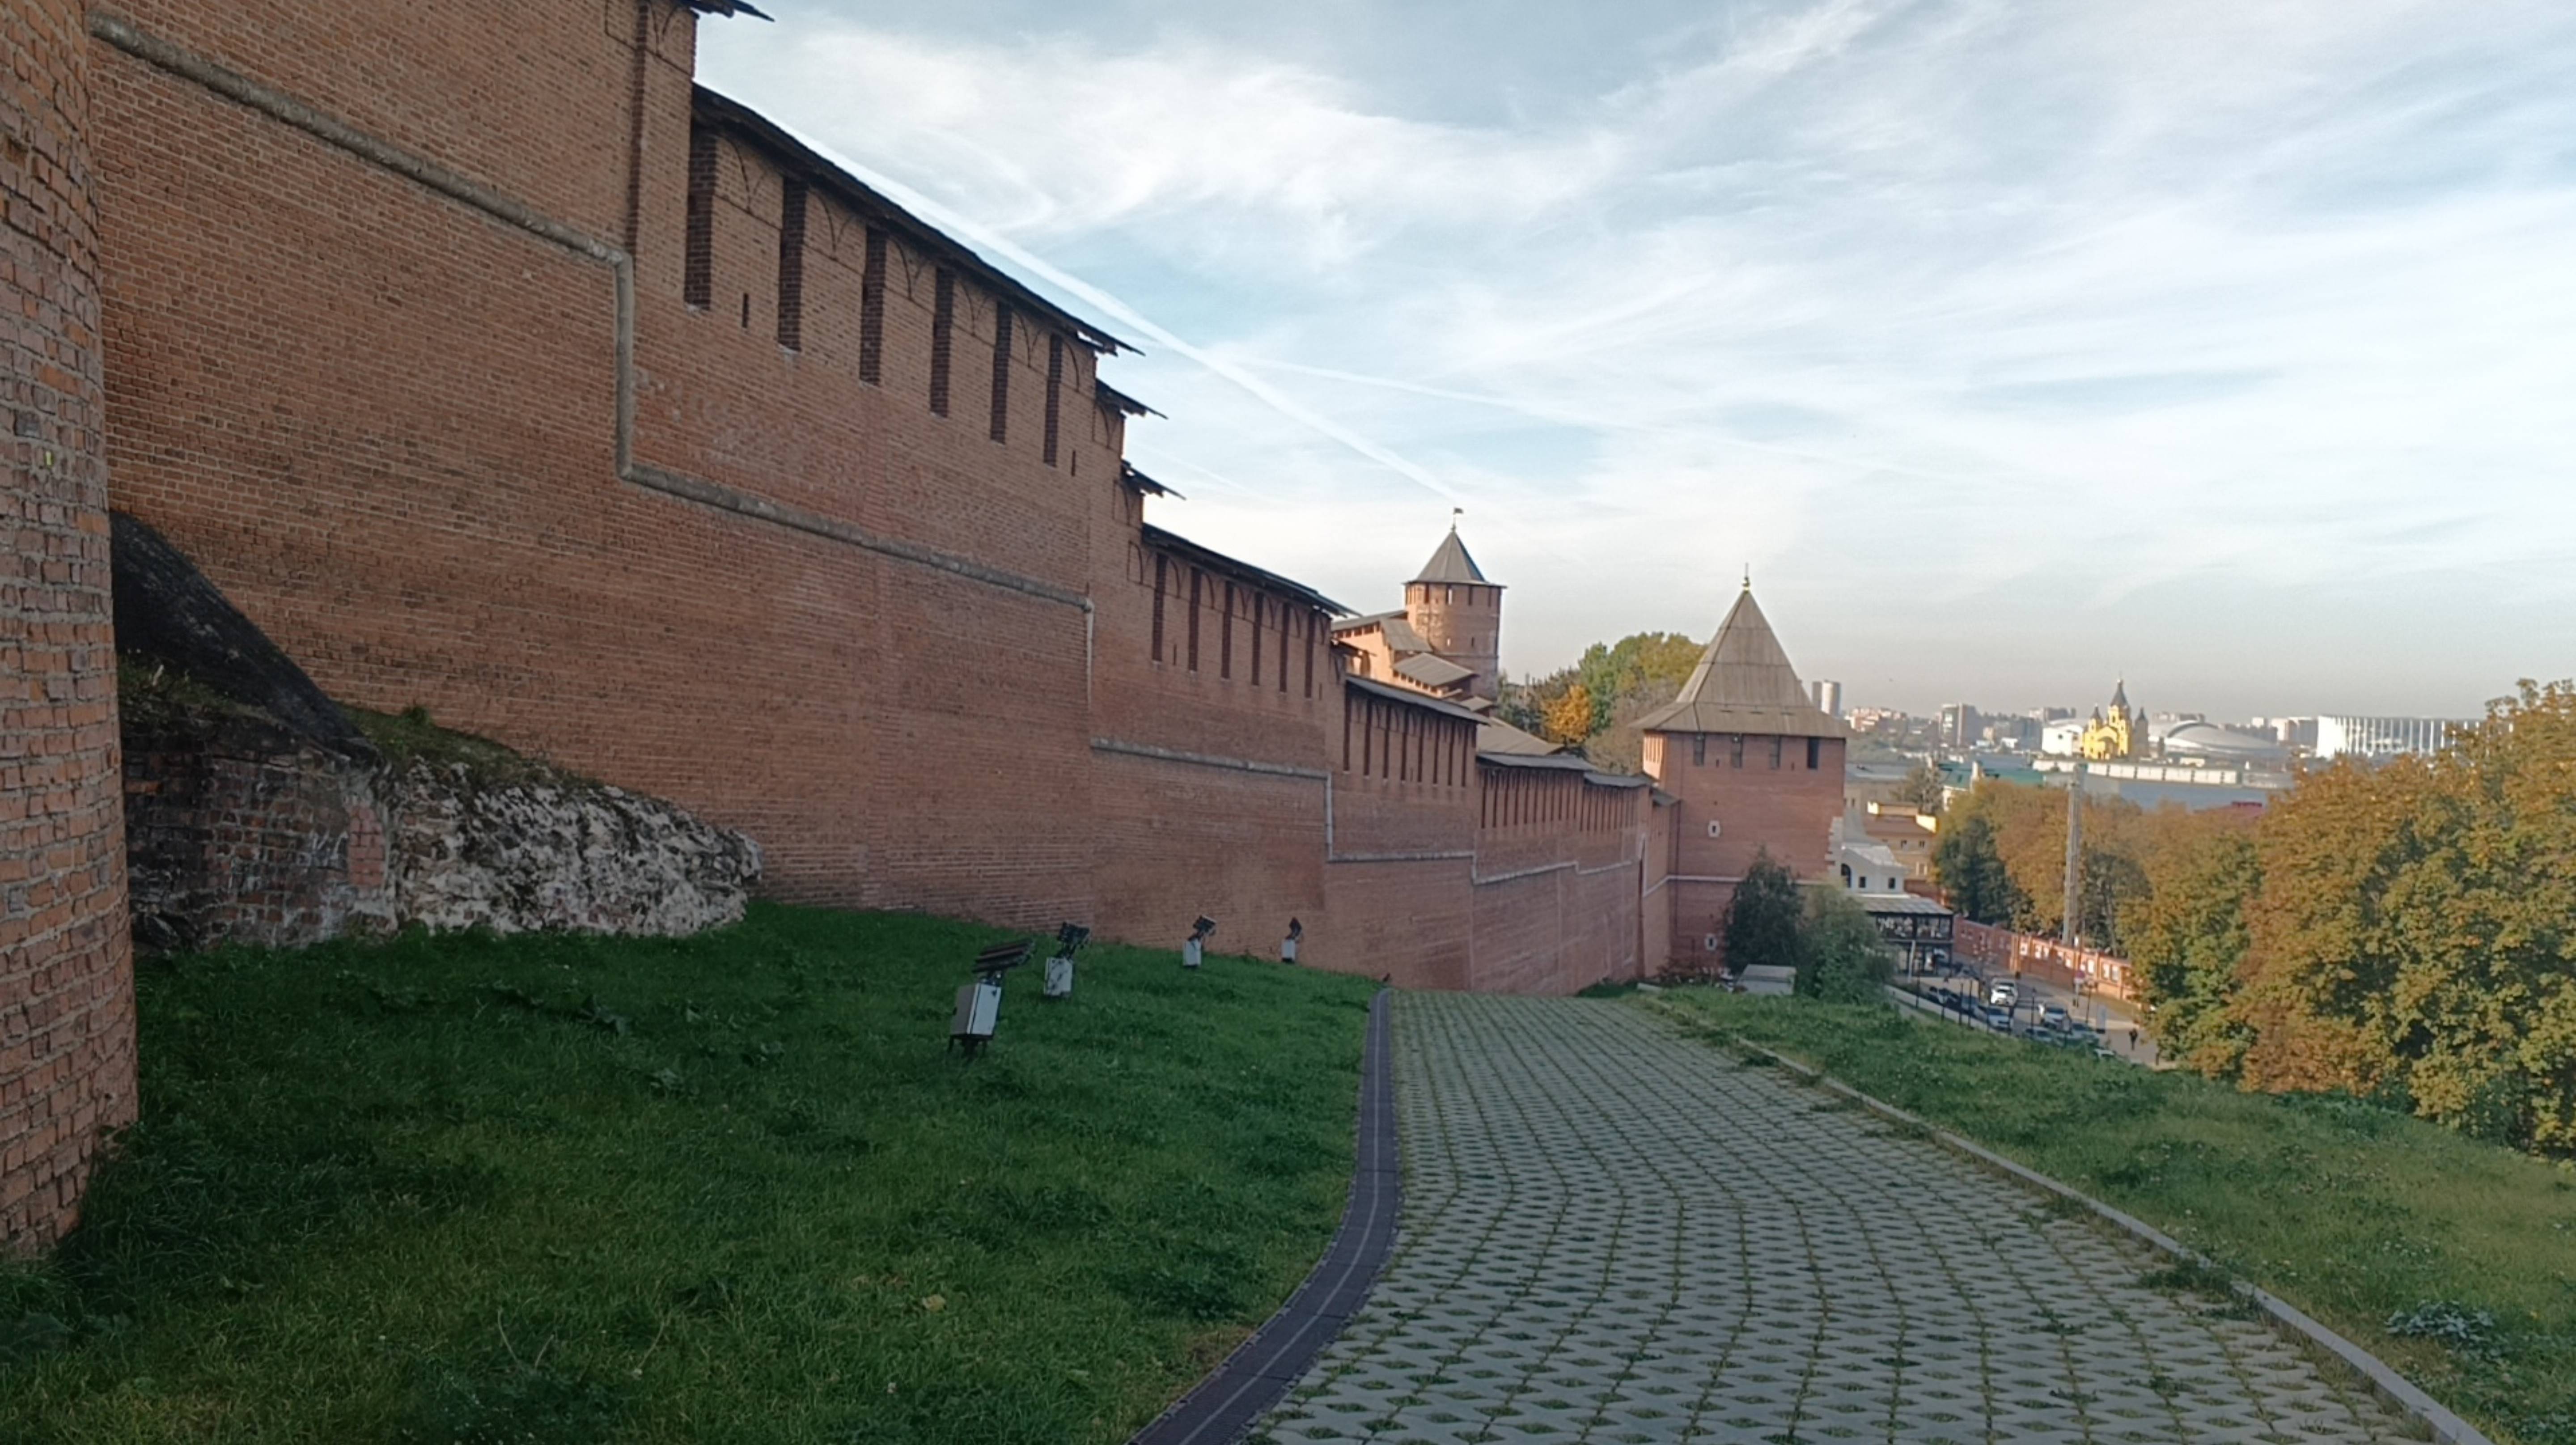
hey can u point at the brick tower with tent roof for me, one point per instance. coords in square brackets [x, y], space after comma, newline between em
[1459, 612]
[1755, 766]
[1447, 639]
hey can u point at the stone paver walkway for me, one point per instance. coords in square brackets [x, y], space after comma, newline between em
[1612, 1233]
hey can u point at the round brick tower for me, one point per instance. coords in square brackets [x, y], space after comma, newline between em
[1459, 613]
[66, 979]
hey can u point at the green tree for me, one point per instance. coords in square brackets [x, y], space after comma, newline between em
[1922, 789]
[1617, 671]
[1969, 868]
[2187, 939]
[1765, 921]
[1595, 704]
[1842, 959]
[2113, 881]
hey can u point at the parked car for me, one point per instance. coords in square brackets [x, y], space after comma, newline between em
[2056, 1017]
[2000, 1020]
[2003, 993]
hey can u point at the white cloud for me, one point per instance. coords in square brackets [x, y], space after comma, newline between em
[1987, 332]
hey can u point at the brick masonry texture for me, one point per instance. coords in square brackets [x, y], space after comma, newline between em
[491, 367]
[66, 991]
[383, 422]
[238, 831]
[1755, 806]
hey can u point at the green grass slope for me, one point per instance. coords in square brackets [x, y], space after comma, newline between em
[731, 1188]
[2454, 1260]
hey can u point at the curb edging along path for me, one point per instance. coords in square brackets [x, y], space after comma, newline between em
[1246, 1383]
[2444, 1425]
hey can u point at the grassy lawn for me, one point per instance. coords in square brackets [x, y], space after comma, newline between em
[2356, 1214]
[731, 1188]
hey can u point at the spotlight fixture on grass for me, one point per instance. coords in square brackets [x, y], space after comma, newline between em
[979, 1004]
[1059, 967]
[1195, 950]
[1288, 945]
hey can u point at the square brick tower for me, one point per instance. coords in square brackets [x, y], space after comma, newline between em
[1756, 766]
[1459, 613]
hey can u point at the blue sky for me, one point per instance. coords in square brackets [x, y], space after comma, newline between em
[2014, 346]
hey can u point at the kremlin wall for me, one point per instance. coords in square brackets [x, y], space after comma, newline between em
[600, 417]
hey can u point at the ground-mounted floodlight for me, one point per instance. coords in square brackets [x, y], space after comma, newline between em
[1059, 966]
[979, 1004]
[1195, 949]
[1288, 945]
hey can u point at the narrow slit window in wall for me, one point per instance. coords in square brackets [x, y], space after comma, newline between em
[1815, 753]
[698, 276]
[943, 322]
[1699, 749]
[1225, 636]
[1310, 654]
[791, 265]
[872, 282]
[1735, 751]
[1775, 752]
[1196, 577]
[1001, 373]
[1260, 614]
[1162, 578]
[1054, 396]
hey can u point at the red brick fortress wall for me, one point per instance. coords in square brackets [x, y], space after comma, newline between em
[1560, 859]
[1211, 691]
[602, 418]
[793, 596]
[66, 981]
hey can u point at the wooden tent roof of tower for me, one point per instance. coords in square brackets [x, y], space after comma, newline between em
[1452, 564]
[1744, 684]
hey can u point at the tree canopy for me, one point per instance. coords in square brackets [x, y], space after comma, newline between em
[2412, 932]
[2405, 931]
[1923, 789]
[1844, 959]
[1967, 865]
[1765, 921]
[1595, 703]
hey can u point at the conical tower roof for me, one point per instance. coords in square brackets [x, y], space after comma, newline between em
[1451, 563]
[1744, 684]
[2120, 694]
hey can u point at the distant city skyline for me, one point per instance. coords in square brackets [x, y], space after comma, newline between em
[2014, 348]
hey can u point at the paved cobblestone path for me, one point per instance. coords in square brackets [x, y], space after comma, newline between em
[1614, 1233]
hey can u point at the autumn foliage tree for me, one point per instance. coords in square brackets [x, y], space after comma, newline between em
[1567, 717]
[2186, 938]
[1594, 704]
[2414, 932]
